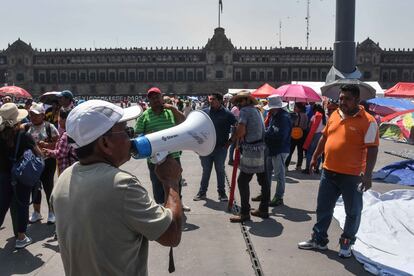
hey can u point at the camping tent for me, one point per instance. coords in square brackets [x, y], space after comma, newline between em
[386, 106]
[401, 90]
[398, 127]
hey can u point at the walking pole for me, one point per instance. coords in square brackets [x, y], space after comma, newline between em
[234, 175]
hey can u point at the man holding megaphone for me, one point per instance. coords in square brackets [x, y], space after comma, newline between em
[104, 216]
[158, 116]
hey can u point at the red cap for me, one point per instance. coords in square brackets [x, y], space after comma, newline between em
[154, 90]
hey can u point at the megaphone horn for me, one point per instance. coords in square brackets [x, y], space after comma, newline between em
[196, 133]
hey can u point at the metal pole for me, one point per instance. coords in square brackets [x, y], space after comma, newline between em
[344, 46]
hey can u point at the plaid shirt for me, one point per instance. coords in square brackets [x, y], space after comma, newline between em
[63, 152]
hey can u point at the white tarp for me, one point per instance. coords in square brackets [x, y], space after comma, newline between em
[385, 240]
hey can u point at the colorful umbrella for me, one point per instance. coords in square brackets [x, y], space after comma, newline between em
[264, 91]
[298, 93]
[14, 91]
[331, 90]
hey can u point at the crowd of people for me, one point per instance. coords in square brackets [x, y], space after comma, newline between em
[88, 141]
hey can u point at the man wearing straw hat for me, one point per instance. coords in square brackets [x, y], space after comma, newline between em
[250, 133]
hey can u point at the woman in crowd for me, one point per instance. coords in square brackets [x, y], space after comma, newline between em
[63, 152]
[16, 197]
[317, 124]
[298, 136]
[45, 135]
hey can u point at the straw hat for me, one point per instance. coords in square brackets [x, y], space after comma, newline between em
[244, 94]
[10, 112]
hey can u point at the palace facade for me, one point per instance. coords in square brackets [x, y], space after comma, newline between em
[188, 71]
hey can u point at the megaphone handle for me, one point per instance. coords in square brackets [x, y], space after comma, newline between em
[159, 157]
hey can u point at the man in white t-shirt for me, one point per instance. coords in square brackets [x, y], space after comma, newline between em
[104, 216]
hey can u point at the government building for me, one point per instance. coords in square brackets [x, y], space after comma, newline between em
[218, 66]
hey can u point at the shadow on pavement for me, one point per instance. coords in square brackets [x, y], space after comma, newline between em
[188, 226]
[267, 228]
[40, 231]
[18, 261]
[296, 175]
[292, 214]
[350, 264]
[216, 205]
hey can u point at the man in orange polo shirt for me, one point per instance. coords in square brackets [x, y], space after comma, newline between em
[350, 144]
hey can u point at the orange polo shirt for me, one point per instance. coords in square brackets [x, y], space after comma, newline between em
[347, 141]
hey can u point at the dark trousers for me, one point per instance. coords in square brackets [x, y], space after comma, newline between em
[243, 183]
[298, 144]
[157, 187]
[17, 200]
[47, 179]
[333, 185]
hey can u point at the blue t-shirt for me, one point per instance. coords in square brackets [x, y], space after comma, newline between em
[222, 119]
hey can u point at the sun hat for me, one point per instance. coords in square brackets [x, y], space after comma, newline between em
[243, 94]
[275, 101]
[10, 112]
[92, 119]
[154, 90]
[37, 108]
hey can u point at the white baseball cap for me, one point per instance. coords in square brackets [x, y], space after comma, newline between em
[91, 119]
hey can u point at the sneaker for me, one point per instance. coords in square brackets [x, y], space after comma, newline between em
[345, 250]
[186, 208]
[312, 244]
[200, 196]
[35, 217]
[23, 243]
[276, 201]
[51, 219]
[257, 198]
[223, 197]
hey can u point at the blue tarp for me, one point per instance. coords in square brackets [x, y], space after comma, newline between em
[397, 173]
[393, 103]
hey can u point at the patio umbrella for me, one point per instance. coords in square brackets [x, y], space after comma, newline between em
[49, 97]
[14, 91]
[298, 93]
[331, 90]
[264, 91]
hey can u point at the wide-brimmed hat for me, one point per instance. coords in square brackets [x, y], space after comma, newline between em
[65, 94]
[244, 94]
[10, 112]
[275, 101]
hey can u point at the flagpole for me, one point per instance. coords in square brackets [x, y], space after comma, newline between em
[219, 14]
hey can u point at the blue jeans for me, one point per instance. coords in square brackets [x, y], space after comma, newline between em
[17, 200]
[218, 158]
[311, 150]
[231, 152]
[157, 187]
[333, 185]
[278, 167]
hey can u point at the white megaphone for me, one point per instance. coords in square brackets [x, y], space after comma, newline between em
[196, 133]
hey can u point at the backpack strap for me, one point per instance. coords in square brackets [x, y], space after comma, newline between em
[17, 146]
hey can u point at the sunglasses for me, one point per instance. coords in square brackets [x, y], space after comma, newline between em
[128, 130]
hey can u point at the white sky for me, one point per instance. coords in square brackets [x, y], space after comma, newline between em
[139, 23]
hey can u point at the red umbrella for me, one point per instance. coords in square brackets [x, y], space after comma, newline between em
[14, 91]
[264, 91]
[298, 93]
[401, 90]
